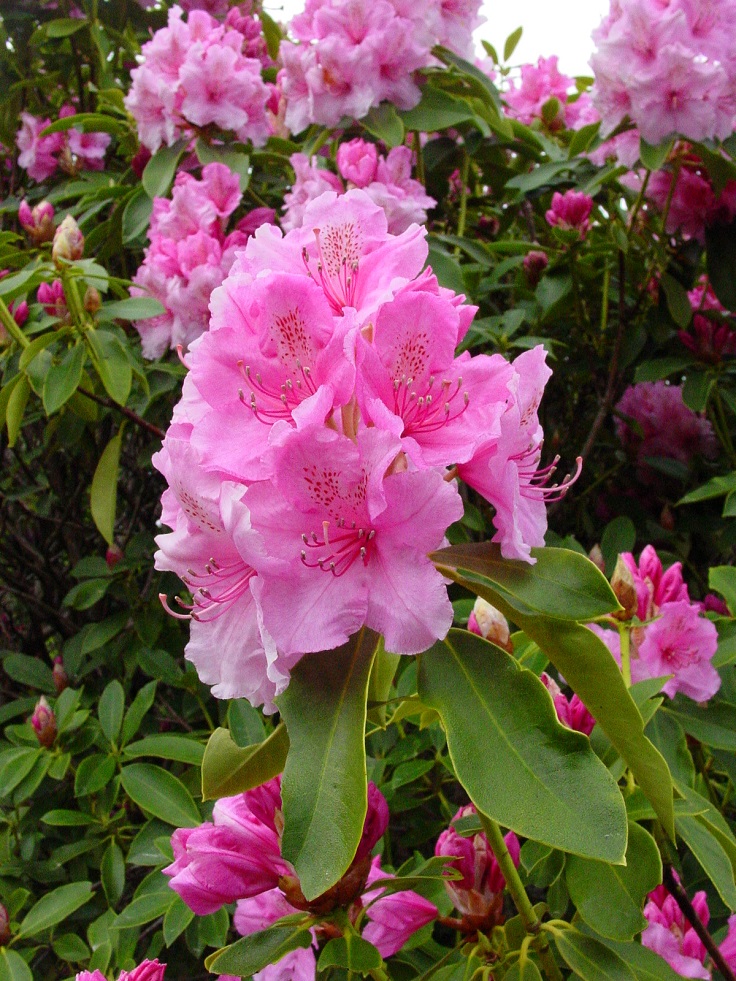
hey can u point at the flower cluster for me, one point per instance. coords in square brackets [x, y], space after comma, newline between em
[309, 459]
[693, 204]
[478, 894]
[386, 180]
[670, 67]
[675, 638]
[236, 857]
[714, 331]
[190, 254]
[346, 58]
[146, 971]
[198, 73]
[72, 150]
[653, 421]
[543, 92]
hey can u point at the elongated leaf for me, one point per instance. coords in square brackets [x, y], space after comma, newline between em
[722, 578]
[590, 959]
[110, 710]
[436, 110]
[145, 908]
[16, 407]
[711, 856]
[532, 772]
[179, 748]
[111, 364]
[63, 379]
[646, 965]
[251, 954]
[160, 793]
[54, 907]
[104, 489]
[581, 657]
[160, 169]
[136, 215]
[714, 726]
[324, 788]
[610, 898]
[13, 967]
[134, 308]
[228, 769]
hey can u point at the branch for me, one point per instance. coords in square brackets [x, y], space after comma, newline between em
[682, 900]
[128, 413]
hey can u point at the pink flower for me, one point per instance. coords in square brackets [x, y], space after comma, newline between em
[357, 162]
[43, 722]
[38, 221]
[51, 295]
[571, 712]
[37, 153]
[478, 895]
[395, 917]
[670, 935]
[535, 262]
[571, 212]
[539, 83]
[146, 971]
[728, 946]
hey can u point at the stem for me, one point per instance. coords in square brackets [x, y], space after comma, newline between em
[682, 900]
[463, 199]
[532, 923]
[128, 413]
[8, 321]
[638, 203]
[417, 147]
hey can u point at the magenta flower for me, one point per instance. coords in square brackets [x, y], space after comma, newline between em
[38, 154]
[51, 295]
[670, 935]
[571, 712]
[478, 895]
[146, 971]
[570, 212]
[37, 221]
[357, 161]
[43, 722]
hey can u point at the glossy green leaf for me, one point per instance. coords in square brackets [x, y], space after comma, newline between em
[132, 308]
[112, 873]
[646, 965]
[618, 536]
[111, 364]
[716, 487]
[722, 578]
[145, 908]
[93, 773]
[324, 787]
[532, 772]
[63, 818]
[715, 725]
[183, 749]
[15, 765]
[53, 908]
[63, 379]
[104, 489]
[710, 855]
[610, 898]
[110, 710]
[136, 215]
[160, 169]
[161, 794]
[523, 970]
[350, 952]
[70, 947]
[590, 959]
[384, 123]
[581, 657]
[251, 954]
[13, 967]
[177, 918]
[229, 769]
[137, 711]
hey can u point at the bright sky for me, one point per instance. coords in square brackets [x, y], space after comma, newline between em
[549, 28]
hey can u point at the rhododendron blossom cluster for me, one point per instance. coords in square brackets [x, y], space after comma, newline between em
[386, 180]
[236, 857]
[190, 254]
[346, 58]
[675, 638]
[692, 204]
[311, 459]
[72, 150]
[537, 85]
[199, 73]
[669, 66]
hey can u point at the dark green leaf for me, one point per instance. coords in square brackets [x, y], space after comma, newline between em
[94, 773]
[160, 169]
[30, 671]
[715, 726]
[446, 268]
[112, 873]
[161, 794]
[110, 710]
[436, 111]
[324, 787]
[720, 244]
[710, 855]
[237, 161]
[228, 769]
[104, 489]
[590, 959]
[678, 302]
[659, 368]
[137, 711]
[54, 907]
[618, 536]
[145, 908]
[696, 389]
[136, 215]
[177, 919]
[63, 379]
[251, 954]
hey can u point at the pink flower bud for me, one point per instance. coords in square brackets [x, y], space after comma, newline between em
[61, 679]
[571, 211]
[113, 555]
[624, 587]
[571, 712]
[43, 721]
[139, 161]
[4, 926]
[357, 162]
[19, 311]
[37, 221]
[68, 242]
[486, 621]
[535, 262]
[146, 971]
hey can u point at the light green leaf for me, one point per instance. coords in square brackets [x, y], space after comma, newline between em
[533, 772]
[511, 41]
[54, 907]
[167, 747]
[111, 363]
[350, 952]
[63, 379]
[110, 710]
[590, 959]
[384, 123]
[324, 787]
[13, 967]
[161, 794]
[251, 954]
[134, 308]
[160, 169]
[104, 489]
[16, 407]
[229, 769]
[523, 970]
[136, 215]
[722, 578]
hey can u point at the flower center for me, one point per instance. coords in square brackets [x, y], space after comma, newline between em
[336, 551]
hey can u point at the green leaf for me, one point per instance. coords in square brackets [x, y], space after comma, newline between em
[511, 41]
[137, 711]
[13, 967]
[590, 959]
[93, 773]
[228, 769]
[16, 407]
[110, 710]
[653, 157]
[30, 671]
[523, 970]
[646, 965]
[15, 765]
[384, 123]
[272, 33]
[70, 947]
[159, 793]
[111, 364]
[63, 26]
[533, 772]
[86, 594]
[134, 308]
[696, 389]
[618, 536]
[160, 169]
[714, 726]
[136, 215]
[436, 111]
[350, 952]
[112, 873]
[581, 657]
[87, 122]
[720, 244]
[68, 819]
[610, 898]
[63, 379]
[678, 302]
[722, 578]
[235, 160]
[446, 268]
[324, 787]
[710, 855]
[251, 954]
[715, 487]
[177, 919]
[659, 368]
[104, 489]
[145, 908]
[54, 907]
[179, 748]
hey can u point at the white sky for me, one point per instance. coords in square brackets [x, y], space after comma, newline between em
[549, 28]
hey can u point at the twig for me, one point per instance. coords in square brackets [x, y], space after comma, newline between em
[682, 900]
[128, 413]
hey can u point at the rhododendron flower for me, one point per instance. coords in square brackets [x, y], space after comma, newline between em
[571, 712]
[37, 153]
[653, 421]
[537, 85]
[671, 936]
[693, 203]
[570, 212]
[146, 971]
[43, 722]
[37, 221]
[478, 895]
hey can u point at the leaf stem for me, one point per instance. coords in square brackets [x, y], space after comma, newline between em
[8, 321]
[532, 923]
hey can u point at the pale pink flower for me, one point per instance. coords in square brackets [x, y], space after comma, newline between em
[671, 936]
[357, 161]
[538, 84]
[486, 621]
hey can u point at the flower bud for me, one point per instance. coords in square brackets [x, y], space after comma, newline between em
[113, 555]
[4, 926]
[624, 587]
[43, 721]
[146, 971]
[51, 295]
[596, 557]
[38, 221]
[68, 242]
[61, 679]
[92, 300]
[535, 262]
[486, 621]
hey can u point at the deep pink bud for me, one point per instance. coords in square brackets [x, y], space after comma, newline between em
[43, 721]
[4, 926]
[571, 211]
[37, 221]
[113, 555]
[68, 242]
[19, 311]
[376, 822]
[571, 712]
[357, 162]
[51, 295]
[146, 971]
[61, 679]
[139, 161]
[535, 262]
[714, 604]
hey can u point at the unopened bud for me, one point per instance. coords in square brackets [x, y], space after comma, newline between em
[4, 926]
[92, 300]
[622, 584]
[43, 721]
[596, 557]
[38, 221]
[68, 242]
[667, 518]
[113, 555]
[535, 262]
[146, 971]
[61, 679]
[490, 623]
